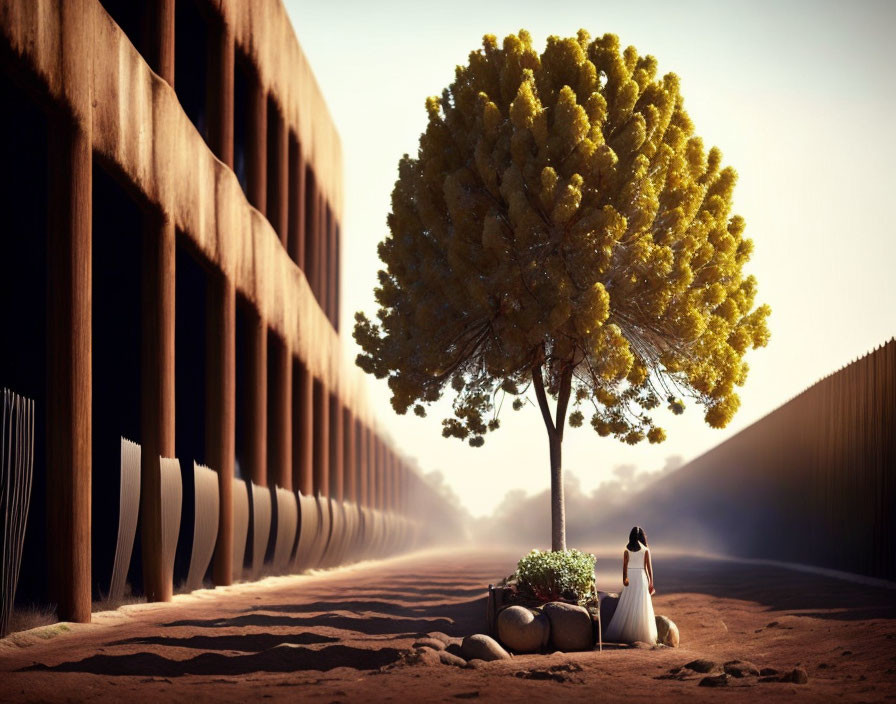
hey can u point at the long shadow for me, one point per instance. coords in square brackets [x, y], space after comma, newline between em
[776, 587]
[370, 625]
[248, 643]
[347, 604]
[461, 617]
[280, 659]
[434, 592]
[387, 618]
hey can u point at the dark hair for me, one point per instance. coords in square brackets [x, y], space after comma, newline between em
[636, 538]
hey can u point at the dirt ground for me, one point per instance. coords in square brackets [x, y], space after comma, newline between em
[344, 636]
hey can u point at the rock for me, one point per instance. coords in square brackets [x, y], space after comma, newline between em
[798, 676]
[767, 672]
[522, 630]
[740, 668]
[482, 647]
[475, 664]
[424, 656]
[607, 602]
[715, 681]
[454, 649]
[429, 643]
[701, 665]
[570, 626]
[447, 658]
[666, 632]
[640, 645]
[444, 637]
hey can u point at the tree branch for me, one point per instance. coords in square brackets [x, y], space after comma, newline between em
[563, 398]
[538, 383]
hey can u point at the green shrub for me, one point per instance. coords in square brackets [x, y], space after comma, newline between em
[549, 576]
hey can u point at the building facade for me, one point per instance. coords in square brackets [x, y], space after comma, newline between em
[170, 264]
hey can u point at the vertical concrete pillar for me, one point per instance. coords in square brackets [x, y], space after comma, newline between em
[380, 469]
[395, 476]
[333, 271]
[256, 144]
[406, 493]
[337, 451]
[219, 96]
[220, 410]
[69, 379]
[322, 272]
[363, 464]
[386, 471]
[391, 479]
[278, 173]
[337, 305]
[312, 218]
[350, 455]
[321, 439]
[160, 39]
[256, 397]
[280, 416]
[157, 394]
[221, 312]
[303, 418]
[296, 192]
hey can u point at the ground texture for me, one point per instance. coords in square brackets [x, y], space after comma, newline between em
[347, 635]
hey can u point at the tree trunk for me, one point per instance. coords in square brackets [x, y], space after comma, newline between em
[555, 445]
[558, 505]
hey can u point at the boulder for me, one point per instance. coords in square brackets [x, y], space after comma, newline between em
[482, 647]
[429, 643]
[666, 632]
[741, 668]
[424, 656]
[608, 603]
[715, 681]
[767, 672]
[701, 665]
[570, 626]
[798, 676]
[523, 630]
[444, 637]
[447, 658]
[454, 648]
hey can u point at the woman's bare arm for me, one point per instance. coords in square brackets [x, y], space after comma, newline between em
[625, 568]
[649, 568]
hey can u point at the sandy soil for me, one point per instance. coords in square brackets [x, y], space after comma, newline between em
[343, 636]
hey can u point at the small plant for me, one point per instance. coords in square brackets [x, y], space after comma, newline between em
[553, 575]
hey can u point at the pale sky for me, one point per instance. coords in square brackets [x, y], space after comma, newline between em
[799, 96]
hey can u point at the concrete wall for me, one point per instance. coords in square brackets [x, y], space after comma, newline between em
[812, 482]
[250, 195]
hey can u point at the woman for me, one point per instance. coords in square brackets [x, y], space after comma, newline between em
[634, 620]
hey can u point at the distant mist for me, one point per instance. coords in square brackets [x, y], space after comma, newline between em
[601, 517]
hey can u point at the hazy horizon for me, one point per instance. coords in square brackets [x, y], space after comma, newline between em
[798, 98]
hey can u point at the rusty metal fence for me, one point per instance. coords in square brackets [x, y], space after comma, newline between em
[812, 482]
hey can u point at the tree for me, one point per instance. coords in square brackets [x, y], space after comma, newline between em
[562, 226]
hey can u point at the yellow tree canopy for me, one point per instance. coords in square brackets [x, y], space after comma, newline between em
[560, 215]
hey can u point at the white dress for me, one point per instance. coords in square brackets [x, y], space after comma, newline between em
[633, 619]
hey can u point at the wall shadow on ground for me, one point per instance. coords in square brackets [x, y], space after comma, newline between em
[284, 658]
[368, 617]
[245, 642]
